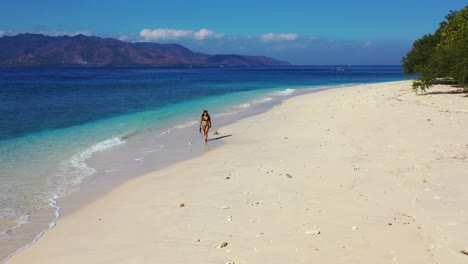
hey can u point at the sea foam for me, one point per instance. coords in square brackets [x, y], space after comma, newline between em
[243, 106]
[73, 172]
[187, 124]
[285, 92]
[25, 219]
[75, 169]
[263, 100]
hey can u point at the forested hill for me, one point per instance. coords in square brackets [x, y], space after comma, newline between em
[41, 50]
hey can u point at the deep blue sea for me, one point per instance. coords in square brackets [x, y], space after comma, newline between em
[54, 121]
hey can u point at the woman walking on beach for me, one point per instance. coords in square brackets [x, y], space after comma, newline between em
[205, 124]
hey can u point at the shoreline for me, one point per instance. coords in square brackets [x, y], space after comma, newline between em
[189, 148]
[267, 197]
[100, 183]
[52, 163]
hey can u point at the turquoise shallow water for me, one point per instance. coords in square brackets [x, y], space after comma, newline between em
[61, 126]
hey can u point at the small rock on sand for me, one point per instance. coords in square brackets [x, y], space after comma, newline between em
[312, 232]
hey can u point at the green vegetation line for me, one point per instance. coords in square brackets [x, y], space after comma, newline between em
[441, 57]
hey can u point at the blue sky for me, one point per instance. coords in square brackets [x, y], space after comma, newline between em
[301, 32]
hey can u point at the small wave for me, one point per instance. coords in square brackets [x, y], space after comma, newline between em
[57, 209]
[191, 123]
[75, 170]
[225, 114]
[142, 155]
[154, 150]
[263, 100]
[165, 132]
[243, 106]
[286, 92]
[14, 217]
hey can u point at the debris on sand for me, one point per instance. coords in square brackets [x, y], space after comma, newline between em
[223, 244]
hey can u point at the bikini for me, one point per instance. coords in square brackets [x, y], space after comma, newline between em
[205, 122]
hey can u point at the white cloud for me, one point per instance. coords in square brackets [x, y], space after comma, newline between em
[206, 33]
[173, 34]
[164, 34]
[279, 37]
[368, 44]
[123, 37]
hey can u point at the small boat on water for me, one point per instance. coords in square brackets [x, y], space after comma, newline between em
[338, 69]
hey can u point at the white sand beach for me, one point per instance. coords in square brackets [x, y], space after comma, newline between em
[364, 174]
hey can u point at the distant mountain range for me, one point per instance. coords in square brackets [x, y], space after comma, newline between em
[41, 50]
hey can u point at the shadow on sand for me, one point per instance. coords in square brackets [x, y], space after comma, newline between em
[207, 147]
[459, 90]
[216, 138]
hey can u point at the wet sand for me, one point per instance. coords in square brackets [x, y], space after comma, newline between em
[365, 174]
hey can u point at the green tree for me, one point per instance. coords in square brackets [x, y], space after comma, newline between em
[418, 60]
[458, 53]
[443, 54]
[452, 30]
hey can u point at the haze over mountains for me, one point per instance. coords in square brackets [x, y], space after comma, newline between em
[40, 50]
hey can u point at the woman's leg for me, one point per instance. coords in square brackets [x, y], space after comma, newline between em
[205, 132]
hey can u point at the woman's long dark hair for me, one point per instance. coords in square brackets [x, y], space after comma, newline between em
[205, 111]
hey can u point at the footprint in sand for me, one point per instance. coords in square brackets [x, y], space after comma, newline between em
[402, 219]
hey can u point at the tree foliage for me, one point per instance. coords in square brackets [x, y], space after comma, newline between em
[442, 55]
